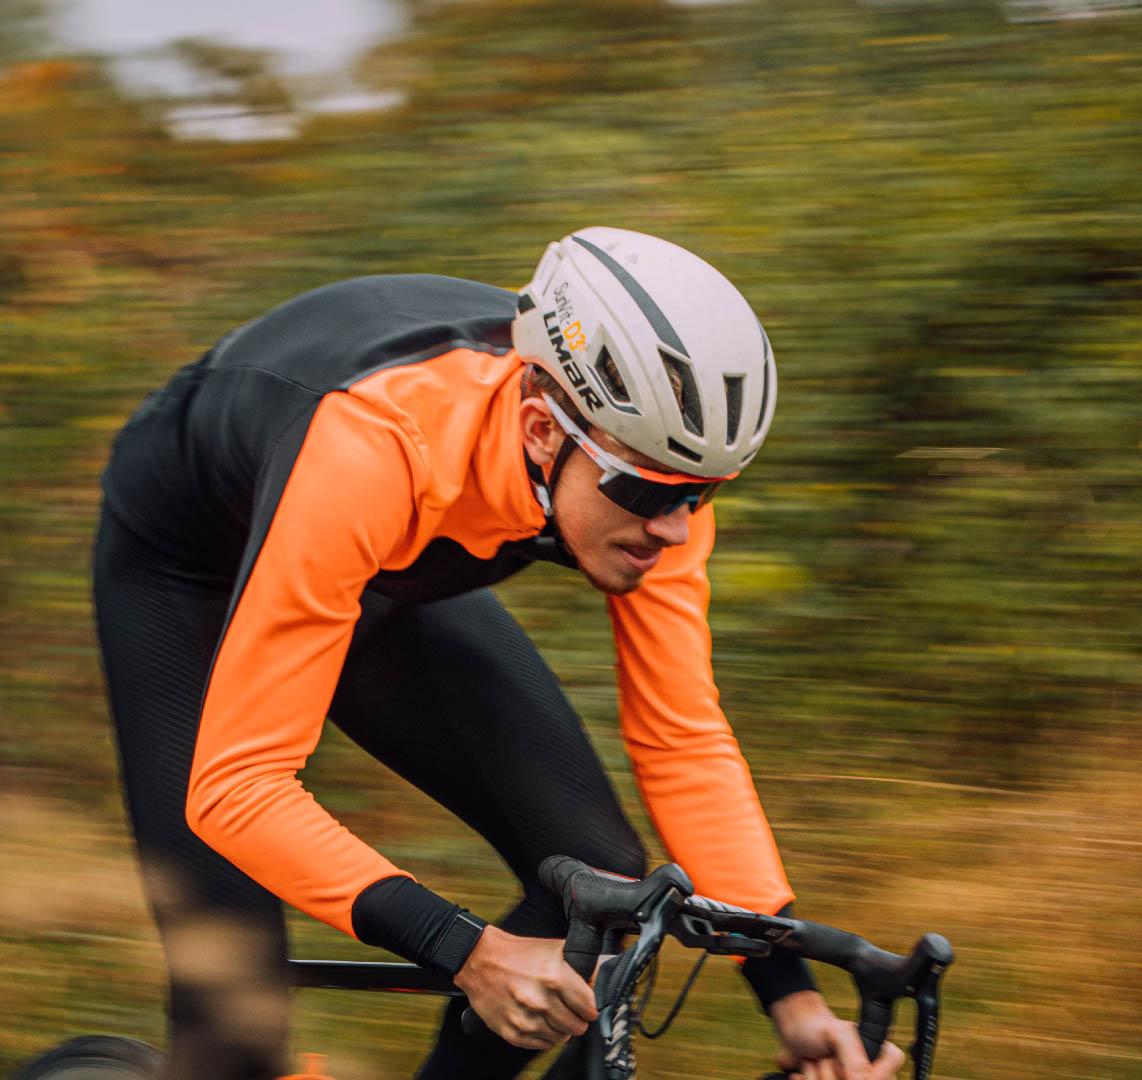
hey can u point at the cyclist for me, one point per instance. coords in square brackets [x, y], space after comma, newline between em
[305, 523]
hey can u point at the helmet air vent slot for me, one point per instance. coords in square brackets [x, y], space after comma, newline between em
[685, 388]
[609, 374]
[685, 451]
[733, 406]
[764, 392]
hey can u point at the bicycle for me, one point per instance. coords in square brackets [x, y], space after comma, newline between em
[598, 904]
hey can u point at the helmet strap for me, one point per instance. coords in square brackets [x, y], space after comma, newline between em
[544, 494]
[544, 487]
[538, 484]
[561, 456]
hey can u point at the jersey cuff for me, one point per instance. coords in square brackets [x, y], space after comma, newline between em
[778, 975]
[401, 915]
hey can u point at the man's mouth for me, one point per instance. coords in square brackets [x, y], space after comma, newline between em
[641, 558]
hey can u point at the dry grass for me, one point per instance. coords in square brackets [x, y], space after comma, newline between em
[64, 870]
[1038, 893]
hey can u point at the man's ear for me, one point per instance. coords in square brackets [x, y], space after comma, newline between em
[542, 436]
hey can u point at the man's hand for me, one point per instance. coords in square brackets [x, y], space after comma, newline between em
[524, 990]
[816, 1045]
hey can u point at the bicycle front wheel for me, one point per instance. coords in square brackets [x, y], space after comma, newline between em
[94, 1057]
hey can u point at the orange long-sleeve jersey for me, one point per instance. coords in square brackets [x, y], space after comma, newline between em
[366, 436]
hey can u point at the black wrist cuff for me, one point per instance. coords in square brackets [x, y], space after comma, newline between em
[778, 975]
[401, 915]
[457, 941]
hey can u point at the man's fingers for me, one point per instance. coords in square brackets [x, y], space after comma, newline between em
[888, 1064]
[565, 1020]
[577, 996]
[545, 1032]
[525, 1036]
[850, 1054]
[535, 1023]
[785, 1061]
[826, 1070]
[528, 1042]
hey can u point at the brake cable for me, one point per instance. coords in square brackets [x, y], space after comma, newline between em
[676, 1008]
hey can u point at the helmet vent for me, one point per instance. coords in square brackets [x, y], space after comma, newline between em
[733, 407]
[609, 374]
[764, 393]
[684, 451]
[685, 389]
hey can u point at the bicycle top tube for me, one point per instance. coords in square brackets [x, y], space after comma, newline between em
[369, 975]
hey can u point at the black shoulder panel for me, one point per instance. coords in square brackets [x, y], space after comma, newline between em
[333, 336]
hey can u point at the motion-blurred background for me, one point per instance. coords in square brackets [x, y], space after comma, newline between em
[927, 589]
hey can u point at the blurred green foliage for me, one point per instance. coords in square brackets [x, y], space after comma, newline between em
[926, 591]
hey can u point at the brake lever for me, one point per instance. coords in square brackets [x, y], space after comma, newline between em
[927, 964]
[617, 977]
[926, 991]
[616, 981]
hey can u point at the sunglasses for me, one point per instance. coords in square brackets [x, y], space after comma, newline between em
[642, 492]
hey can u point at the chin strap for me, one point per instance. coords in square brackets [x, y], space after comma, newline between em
[544, 490]
[539, 485]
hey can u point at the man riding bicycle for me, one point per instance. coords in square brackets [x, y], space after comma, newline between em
[305, 523]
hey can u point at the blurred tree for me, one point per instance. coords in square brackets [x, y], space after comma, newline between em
[929, 578]
[236, 74]
[22, 29]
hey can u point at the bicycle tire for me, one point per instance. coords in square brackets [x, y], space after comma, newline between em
[94, 1057]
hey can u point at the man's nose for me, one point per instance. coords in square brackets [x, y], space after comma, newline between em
[672, 528]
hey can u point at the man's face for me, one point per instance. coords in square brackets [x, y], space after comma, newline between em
[614, 548]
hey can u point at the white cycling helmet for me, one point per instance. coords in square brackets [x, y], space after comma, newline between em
[614, 315]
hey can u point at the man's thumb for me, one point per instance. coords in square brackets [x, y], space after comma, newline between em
[786, 1062]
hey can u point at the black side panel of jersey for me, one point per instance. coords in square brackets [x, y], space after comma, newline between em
[271, 484]
[445, 568]
[184, 471]
[334, 336]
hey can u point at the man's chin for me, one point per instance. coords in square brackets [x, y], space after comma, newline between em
[612, 581]
[613, 584]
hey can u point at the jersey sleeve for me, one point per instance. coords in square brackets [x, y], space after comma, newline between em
[341, 503]
[688, 765]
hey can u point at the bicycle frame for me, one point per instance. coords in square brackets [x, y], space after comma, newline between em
[369, 975]
[595, 903]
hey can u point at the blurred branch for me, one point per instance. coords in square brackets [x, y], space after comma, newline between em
[239, 73]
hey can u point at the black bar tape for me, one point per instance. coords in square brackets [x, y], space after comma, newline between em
[778, 975]
[875, 1022]
[582, 948]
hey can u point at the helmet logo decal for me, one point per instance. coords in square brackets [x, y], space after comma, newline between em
[572, 328]
[571, 369]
